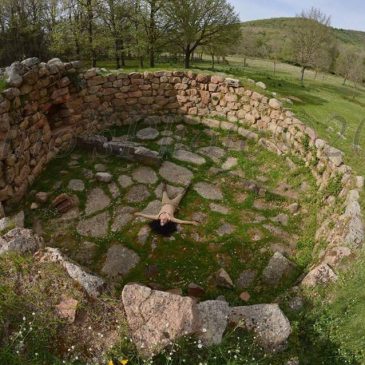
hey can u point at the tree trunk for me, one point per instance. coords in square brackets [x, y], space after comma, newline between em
[302, 74]
[244, 61]
[187, 58]
[213, 61]
[344, 81]
[315, 75]
[141, 61]
[90, 32]
[117, 54]
[152, 56]
[274, 68]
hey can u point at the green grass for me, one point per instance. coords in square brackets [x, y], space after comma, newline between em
[2, 84]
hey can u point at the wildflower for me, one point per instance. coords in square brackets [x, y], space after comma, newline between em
[24, 318]
[204, 330]
[123, 362]
[200, 345]
[110, 362]
[33, 314]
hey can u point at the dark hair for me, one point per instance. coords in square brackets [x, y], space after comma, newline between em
[166, 230]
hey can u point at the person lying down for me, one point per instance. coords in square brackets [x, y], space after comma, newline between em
[164, 222]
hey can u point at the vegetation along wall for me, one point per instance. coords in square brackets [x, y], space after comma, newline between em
[47, 105]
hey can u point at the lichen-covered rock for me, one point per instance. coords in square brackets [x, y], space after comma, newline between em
[20, 240]
[278, 268]
[157, 318]
[213, 319]
[321, 274]
[267, 321]
[92, 284]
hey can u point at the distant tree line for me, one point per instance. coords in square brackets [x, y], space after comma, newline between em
[310, 45]
[115, 29]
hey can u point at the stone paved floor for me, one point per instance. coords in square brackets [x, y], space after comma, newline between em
[243, 223]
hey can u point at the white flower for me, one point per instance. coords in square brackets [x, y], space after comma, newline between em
[200, 345]
[24, 318]
[204, 330]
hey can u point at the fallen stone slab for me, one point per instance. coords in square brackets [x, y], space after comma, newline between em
[125, 149]
[157, 318]
[267, 321]
[76, 185]
[121, 217]
[137, 194]
[213, 152]
[104, 177]
[14, 221]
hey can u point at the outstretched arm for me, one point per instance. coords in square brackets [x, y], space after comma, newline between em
[148, 216]
[179, 221]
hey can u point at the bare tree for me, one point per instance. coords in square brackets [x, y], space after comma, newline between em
[248, 45]
[196, 22]
[349, 65]
[309, 36]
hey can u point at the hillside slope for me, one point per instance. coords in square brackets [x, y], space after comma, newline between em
[280, 28]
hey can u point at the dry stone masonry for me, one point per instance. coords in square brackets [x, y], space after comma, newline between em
[48, 107]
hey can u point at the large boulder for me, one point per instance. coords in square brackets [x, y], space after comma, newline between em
[157, 318]
[278, 268]
[213, 319]
[267, 321]
[20, 240]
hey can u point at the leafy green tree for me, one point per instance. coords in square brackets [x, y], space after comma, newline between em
[196, 23]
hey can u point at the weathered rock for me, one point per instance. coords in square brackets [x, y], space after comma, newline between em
[42, 197]
[175, 174]
[246, 279]
[100, 167]
[275, 104]
[268, 322]
[172, 191]
[114, 190]
[64, 203]
[225, 229]
[92, 284]
[223, 279]
[219, 208]
[137, 194]
[213, 152]
[14, 221]
[195, 290]
[125, 181]
[20, 240]
[166, 141]
[245, 296]
[147, 134]
[322, 274]
[230, 163]
[157, 318]
[278, 268]
[96, 226]
[213, 319]
[12, 75]
[281, 218]
[96, 200]
[208, 191]
[143, 234]
[119, 261]
[190, 157]
[76, 185]
[122, 216]
[86, 252]
[261, 85]
[104, 177]
[144, 175]
[66, 309]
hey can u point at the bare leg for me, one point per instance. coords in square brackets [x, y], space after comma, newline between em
[165, 197]
[176, 201]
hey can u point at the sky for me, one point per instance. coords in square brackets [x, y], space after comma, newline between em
[346, 14]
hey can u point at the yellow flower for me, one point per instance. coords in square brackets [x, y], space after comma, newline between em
[110, 362]
[123, 362]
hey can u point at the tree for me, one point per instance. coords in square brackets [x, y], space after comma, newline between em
[349, 65]
[248, 44]
[309, 36]
[196, 23]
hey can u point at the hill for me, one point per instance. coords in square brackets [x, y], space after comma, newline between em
[280, 28]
